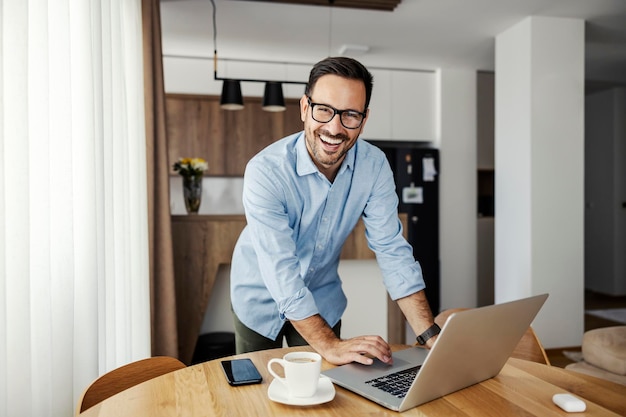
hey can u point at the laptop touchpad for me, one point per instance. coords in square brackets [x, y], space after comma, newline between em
[375, 369]
[397, 363]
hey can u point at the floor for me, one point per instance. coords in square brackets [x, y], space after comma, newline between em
[592, 301]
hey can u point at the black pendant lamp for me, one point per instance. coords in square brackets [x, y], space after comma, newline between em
[273, 99]
[231, 99]
[231, 95]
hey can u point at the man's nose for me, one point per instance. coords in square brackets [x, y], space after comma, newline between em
[335, 126]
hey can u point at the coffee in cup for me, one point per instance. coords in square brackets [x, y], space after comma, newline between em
[301, 370]
[301, 360]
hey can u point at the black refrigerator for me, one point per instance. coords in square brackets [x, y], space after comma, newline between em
[416, 171]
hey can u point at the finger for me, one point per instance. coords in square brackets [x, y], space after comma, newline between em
[383, 349]
[370, 348]
[377, 341]
[363, 359]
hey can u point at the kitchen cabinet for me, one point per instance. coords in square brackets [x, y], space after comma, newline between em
[378, 124]
[403, 106]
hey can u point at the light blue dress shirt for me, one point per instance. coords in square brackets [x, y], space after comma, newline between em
[284, 265]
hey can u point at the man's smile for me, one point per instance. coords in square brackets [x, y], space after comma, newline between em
[331, 143]
[330, 140]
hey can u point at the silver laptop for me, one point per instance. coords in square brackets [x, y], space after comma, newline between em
[473, 346]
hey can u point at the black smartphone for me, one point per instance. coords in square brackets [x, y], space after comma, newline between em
[241, 372]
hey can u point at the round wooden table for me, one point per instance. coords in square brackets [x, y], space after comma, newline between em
[522, 388]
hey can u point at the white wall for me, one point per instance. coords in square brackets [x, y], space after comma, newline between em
[458, 194]
[220, 195]
[539, 144]
[367, 298]
[362, 282]
[218, 317]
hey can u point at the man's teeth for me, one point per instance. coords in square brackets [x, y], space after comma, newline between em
[331, 140]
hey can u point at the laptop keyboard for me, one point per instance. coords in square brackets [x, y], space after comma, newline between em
[397, 383]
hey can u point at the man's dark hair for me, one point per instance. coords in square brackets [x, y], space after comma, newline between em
[343, 67]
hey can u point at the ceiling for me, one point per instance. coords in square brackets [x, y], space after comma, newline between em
[417, 34]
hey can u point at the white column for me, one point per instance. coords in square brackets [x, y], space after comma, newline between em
[457, 188]
[539, 165]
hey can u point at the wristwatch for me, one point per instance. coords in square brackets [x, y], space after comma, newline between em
[428, 333]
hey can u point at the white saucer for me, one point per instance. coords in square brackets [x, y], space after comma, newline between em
[325, 393]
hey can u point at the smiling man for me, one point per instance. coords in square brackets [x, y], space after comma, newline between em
[302, 197]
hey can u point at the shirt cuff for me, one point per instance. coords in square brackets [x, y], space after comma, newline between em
[299, 307]
[405, 282]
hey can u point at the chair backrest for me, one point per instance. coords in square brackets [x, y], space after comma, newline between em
[529, 347]
[125, 377]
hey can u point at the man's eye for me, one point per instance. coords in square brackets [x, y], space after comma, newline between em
[353, 115]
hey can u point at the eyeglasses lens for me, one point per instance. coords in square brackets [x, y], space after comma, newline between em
[350, 119]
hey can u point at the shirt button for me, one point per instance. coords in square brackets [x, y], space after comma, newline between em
[311, 269]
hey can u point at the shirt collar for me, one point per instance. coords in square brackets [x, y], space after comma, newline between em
[305, 165]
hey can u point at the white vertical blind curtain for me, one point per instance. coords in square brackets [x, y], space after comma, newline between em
[74, 278]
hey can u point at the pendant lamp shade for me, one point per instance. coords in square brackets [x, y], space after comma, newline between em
[231, 95]
[273, 99]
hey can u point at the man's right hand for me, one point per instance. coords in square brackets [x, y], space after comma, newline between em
[361, 349]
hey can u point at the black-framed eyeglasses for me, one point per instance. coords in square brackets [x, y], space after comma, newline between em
[323, 113]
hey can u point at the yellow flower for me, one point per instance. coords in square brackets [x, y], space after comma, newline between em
[191, 166]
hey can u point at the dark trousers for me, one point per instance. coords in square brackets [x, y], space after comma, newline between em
[247, 340]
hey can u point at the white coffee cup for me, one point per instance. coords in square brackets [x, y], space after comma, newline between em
[302, 372]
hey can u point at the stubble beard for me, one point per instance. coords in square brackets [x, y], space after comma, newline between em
[320, 155]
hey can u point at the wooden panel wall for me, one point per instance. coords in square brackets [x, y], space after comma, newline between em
[197, 127]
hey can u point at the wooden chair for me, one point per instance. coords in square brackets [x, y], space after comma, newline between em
[529, 347]
[125, 377]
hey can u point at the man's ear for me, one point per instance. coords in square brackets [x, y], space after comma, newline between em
[304, 107]
[367, 115]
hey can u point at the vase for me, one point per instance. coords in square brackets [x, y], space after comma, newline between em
[192, 192]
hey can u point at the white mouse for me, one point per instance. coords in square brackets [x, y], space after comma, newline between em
[569, 403]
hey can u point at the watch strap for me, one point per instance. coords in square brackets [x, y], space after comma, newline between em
[428, 333]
